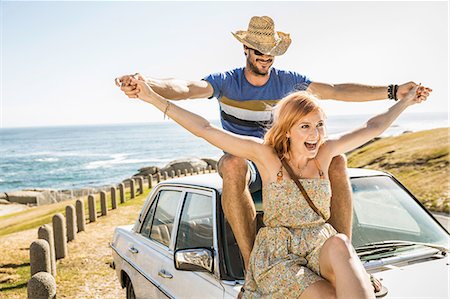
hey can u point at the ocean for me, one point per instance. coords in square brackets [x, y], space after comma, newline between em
[74, 157]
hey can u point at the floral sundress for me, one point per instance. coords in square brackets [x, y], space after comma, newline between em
[285, 257]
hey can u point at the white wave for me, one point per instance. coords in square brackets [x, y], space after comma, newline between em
[63, 154]
[120, 159]
[47, 160]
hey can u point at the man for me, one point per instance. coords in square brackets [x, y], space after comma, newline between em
[246, 96]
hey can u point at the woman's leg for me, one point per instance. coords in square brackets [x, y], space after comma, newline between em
[340, 265]
[321, 289]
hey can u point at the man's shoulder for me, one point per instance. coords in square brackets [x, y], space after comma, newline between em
[279, 72]
[232, 72]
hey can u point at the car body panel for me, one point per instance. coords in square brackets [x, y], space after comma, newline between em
[419, 280]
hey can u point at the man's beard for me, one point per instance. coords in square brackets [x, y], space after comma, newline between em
[255, 69]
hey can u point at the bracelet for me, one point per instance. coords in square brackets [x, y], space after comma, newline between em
[166, 109]
[392, 92]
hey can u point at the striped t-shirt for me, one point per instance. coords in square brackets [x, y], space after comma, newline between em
[246, 109]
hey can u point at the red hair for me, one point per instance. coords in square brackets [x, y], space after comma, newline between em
[287, 112]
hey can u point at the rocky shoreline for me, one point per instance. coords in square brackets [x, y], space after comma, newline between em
[14, 201]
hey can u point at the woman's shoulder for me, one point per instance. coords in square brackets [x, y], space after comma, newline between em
[324, 155]
[268, 160]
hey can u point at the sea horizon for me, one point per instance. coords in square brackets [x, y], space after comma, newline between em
[72, 157]
[213, 120]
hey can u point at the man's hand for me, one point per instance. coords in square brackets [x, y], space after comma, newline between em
[127, 85]
[405, 88]
[417, 94]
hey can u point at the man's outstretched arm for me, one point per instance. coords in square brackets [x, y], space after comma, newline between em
[173, 89]
[352, 92]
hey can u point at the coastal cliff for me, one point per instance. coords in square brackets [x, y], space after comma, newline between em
[420, 160]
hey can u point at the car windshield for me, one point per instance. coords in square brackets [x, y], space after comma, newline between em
[384, 211]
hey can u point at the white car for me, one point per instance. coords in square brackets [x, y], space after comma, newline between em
[181, 246]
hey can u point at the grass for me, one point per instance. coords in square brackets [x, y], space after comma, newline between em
[419, 160]
[81, 265]
[37, 216]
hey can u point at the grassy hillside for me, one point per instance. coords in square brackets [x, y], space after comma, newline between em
[420, 160]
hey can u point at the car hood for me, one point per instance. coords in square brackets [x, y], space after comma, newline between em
[426, 279]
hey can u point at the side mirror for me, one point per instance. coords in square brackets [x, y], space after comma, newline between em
[198, 259]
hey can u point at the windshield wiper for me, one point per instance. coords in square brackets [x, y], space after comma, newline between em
[392, 245]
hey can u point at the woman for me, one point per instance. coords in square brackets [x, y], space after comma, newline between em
[297, 254]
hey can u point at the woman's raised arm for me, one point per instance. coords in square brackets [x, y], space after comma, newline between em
[242, 146]
[376, 125]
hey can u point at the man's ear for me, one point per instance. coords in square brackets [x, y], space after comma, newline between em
[245, 50]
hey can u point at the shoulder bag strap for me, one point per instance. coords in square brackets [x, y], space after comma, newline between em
[302, 190]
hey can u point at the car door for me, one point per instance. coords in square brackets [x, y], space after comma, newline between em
[153, 240]
[195, 229]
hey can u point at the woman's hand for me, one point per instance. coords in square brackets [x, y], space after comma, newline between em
[124, 82]
[144, 91]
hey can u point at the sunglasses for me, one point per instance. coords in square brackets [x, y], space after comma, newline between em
[257, 53]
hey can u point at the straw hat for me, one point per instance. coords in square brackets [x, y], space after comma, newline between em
[261, 35]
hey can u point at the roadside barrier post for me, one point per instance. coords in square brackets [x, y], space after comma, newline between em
[40, 257]
[70, 222]
[81, 218]
[132, 189]
[103, 206]
[92, 205]
[204, 170]
[150, 181]
[172, 174]
[179, 173]
[41, 285]
[185, 172]
[140, 181]
[192, 171]
[165, 175]
[122, 192]
[158, 177]
[59, 234]
[210, 168]
[113, 198]
[45, 232]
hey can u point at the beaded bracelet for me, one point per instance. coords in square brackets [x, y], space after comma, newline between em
[167, 109]
[392, 92]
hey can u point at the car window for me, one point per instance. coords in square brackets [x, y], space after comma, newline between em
[372, 196]
[384, 211]
[196, 224]
[166, 209]
[147, 225]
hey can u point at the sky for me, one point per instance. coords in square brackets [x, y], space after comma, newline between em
[59, 59]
